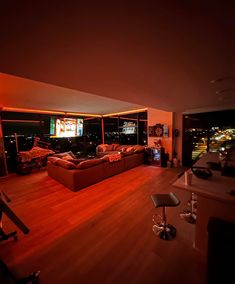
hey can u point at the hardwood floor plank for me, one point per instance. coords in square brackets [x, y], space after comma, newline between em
[101, 234]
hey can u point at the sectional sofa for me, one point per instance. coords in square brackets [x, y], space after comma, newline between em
[77, 174]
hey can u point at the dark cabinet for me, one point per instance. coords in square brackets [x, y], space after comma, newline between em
[155, 156]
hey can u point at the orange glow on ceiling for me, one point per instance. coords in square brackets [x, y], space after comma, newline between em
[31, 110]
[48, 112]
[125, 112]
[69, 113]
[83, 114]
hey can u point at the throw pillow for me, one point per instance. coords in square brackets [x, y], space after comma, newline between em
[114, 158]
[53, 159]
[102, 147]
[109, 148]
[89, 163]
[67, 158]
[115, 146]
[70, 153]
[65, 164]
[76, 161]
[121, 148]
[105, 158]
[138, 148]
[130, 149]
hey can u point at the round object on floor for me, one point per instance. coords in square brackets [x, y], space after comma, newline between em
[165, 233]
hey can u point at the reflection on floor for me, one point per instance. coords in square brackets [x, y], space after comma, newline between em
[101, 234]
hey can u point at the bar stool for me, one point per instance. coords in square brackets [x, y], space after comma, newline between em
[190, 215]
[161, 228]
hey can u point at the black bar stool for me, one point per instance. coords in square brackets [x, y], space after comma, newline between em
[161, 228]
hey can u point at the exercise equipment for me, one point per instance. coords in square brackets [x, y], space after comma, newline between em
[36, 157]
[4, 208]
[7, 277]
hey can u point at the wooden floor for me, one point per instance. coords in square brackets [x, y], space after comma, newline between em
[101, 234]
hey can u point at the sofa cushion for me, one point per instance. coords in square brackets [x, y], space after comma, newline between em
[89, 163]
[138, 148]
[126, 153]
[105, 158]
[102, 154]
[112, 157]
[70, 153]
[115, 146]
[65, 164]
[53, 159]
[72, 160]
[129, 149]
[101, 147]
[121, 148]
[75, 161]
[109, 148]
[67, 158]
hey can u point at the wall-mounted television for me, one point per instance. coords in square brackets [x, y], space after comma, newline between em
[66, 127]
[129, 128]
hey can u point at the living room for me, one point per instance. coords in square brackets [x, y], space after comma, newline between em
[116, 71]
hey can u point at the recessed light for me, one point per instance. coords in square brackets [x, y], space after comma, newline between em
[222, 79]
[226, 91]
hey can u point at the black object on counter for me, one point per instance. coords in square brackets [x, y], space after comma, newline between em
[201, 172]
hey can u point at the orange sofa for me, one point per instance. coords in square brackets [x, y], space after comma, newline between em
[77, 174]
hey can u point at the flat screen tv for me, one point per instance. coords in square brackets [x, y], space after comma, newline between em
[129, 128]
[66, 127]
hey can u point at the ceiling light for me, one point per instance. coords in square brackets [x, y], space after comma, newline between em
[225, 91]
[222, 79]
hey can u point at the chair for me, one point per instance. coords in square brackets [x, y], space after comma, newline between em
[161, 228]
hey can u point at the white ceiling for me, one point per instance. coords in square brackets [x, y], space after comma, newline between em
[160, 54]
[18, 92]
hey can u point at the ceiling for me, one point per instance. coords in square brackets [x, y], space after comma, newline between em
[161, 54]
[20, 93]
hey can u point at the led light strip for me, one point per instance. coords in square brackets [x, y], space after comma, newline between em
[70, 113]
[125, 112]
[23, 121]
[48, 112]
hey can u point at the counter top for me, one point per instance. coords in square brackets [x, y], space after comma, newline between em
[216, 187]
[213, 200]
[208, 157]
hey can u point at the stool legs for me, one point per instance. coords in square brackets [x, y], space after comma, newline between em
[190, 215]
[161, 228]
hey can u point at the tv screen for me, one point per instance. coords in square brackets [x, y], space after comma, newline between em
[129, 128]
[66, 127]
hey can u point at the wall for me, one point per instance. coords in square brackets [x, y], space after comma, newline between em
[156, 116]
[3, 165]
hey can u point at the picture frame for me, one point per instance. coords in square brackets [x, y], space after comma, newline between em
[158, 130]
[151, 131]
[165, 130]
